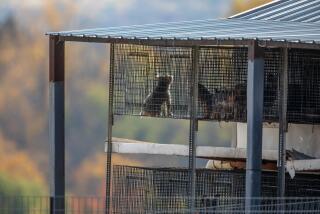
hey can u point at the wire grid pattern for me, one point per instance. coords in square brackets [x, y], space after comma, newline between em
[223, 84]
[152, 81]
[156, 81]
[152, 190]
[304, 86]
[205, 205]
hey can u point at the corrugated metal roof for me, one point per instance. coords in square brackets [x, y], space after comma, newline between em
[207, 29]
[285, 10]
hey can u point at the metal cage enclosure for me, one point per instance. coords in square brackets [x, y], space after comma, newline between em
[153, 190]
[156, 81]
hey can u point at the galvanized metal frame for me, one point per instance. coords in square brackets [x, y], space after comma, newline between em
[193, 128]
[56, 124]
[283, 124]
[192, 42]
[255, 88]
[254, 112]
[110, 124]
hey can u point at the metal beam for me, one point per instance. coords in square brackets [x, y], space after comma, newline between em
[193, 128]
[110, 124]
[255, 88]
[56, 130]
[283, 125]
[191, 42]
[128, 146]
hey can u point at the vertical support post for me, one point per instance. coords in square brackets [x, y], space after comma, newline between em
[56, 123]
[282, 92]
[255, 89]
[110, 124]
[193, 128]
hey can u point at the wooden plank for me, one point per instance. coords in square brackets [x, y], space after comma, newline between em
[126, 146]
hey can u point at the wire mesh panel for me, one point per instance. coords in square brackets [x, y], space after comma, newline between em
[156, 189]
[152, 81]
[132, 190]
[206, 205]
[274, 64]
[223, 83]
[156, 81]
[265, 205]
[304, 86]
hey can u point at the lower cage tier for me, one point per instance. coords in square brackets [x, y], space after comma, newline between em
[165, 190]
[156, 81]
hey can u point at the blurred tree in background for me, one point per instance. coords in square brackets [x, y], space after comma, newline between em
[19, 174]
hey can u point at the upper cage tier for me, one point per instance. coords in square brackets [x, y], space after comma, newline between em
[157, 81]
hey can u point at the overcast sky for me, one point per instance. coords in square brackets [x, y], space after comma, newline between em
[103, 13]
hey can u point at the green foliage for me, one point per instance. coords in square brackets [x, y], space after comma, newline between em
[10, 186]
[158, 130]
[11, 191]
[171, 131]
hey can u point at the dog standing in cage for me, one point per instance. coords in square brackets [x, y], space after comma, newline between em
[229, 104]
[240, 101]
[218, 105]
[223, 100]
[158, 102]
[206, 97]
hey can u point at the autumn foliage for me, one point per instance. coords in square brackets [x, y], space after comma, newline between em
[243, 5]
[19, 174]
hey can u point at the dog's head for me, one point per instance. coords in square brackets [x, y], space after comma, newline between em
[166, 79]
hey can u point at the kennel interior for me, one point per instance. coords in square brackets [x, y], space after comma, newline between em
[156, 81]
[139, 89]
[152, 190]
